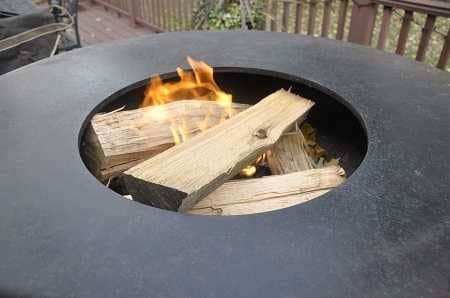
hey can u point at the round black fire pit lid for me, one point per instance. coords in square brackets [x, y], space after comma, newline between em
[385, 232]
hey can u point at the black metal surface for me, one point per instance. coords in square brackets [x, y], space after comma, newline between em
[384, 233]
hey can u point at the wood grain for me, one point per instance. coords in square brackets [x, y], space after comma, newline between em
[247, 196]
[289, 154]
[118, 140]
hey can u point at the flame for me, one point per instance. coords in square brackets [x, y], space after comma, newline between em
[250, 170]
[158, 113]
[197, 84]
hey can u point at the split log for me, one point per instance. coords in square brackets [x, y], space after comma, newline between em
[119, 140]
[269, 193]
[298, 151]
[181, 176]
[289, 154]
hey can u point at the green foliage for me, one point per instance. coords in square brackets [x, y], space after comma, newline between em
[228, 17]
[259, 14]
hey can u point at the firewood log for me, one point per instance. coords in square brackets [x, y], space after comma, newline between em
[289, 154]
[119, 140]
[181, 176]
[246, 196]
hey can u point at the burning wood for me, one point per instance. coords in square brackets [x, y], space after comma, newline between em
[182, 175]
[211, 149]
[269, 193]
[120, 140]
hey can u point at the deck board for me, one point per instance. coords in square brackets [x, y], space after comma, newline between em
[96, 25]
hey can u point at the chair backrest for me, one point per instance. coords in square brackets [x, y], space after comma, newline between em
[72, 8]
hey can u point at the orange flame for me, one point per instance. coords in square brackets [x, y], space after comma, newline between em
[197, 84]
[250, 170]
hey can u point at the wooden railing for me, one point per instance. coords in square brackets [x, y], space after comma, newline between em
[372, 23]
[304, 16]
[404, 27]
[428, 10]
[158, 15]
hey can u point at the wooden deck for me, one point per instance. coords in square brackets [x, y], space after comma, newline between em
[97, 25]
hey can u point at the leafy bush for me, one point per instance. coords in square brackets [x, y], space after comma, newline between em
[228, 17]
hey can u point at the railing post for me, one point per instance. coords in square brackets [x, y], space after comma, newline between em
[362, 21]
[274, 16]
[133, 11]
[443, 59]
[326, 17]
[341, 19]
[425, 38]
[298, 17]
[286, 15]
[404, 31]
[312, 16]
[384, 30]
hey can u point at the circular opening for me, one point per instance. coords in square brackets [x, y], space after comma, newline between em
[337, 129]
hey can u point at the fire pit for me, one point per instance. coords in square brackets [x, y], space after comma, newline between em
[341, 133]
[383, 232]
